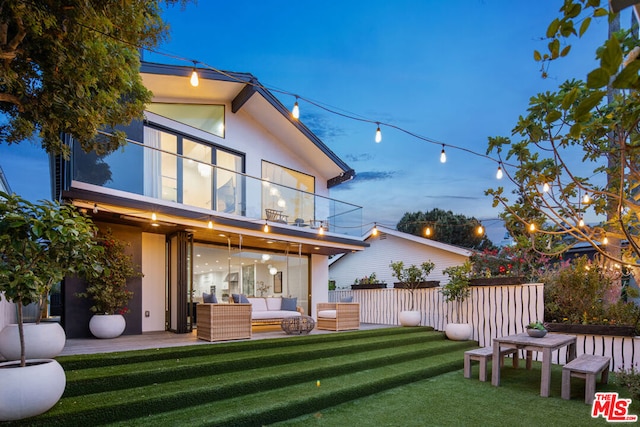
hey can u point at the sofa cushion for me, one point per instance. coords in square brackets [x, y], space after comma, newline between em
[273, 314]
[289, 304]
[274, 303]
[209, 298]
[257, 304]
[327, 314]
[240, 298]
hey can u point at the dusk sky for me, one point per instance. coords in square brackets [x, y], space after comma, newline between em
[452, 72]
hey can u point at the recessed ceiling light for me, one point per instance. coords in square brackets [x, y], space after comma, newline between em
[317, 248]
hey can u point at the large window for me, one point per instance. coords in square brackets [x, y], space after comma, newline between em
[183, 170]
[206, 117]
[288, 191]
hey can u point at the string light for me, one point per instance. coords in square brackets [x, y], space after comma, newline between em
[499, 173]
[374, 232]
[586, 198]
[443, 155]
[194, 76]
[378, 134]
[154, 217]
[545, 187]
[296, 109]
[266, 227]
[480, 230]
[427, 231]
[210, 224]
[95, 208]
[581, 223]
[605, 240]
[321, 230]
[532, 227]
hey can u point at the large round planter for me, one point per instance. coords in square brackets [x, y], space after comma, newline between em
[31, 390]
[41, 341]
[409, 318]
[107, 325]
[458, 331]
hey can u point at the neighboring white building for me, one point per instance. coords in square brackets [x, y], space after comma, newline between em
[4, 184]
[390, 246]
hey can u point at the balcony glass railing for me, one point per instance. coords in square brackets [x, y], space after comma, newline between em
[163, 175]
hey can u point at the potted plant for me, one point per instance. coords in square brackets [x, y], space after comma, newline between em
[368, 282]
[536, 329]
[39, 245]
[410, 278]
[107, 288]
[456, 291]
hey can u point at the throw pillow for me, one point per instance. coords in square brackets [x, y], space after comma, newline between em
[289, 304]
[243, 299]
[236, 298]
[209, 298]
[346, 299]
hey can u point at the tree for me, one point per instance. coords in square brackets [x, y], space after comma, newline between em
[446, 227]
[578, 121]
[73, 67]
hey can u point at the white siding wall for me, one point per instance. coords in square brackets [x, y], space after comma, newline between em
[7, 312]
[153, 282]
[384, 250]
[319, 281]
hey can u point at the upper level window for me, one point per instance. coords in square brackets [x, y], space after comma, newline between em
[288, 191]
[206, 117]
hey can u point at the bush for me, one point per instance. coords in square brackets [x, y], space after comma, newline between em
[629, 378]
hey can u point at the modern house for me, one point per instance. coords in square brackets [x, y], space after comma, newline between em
[219, 189]
[4, 184]
[388, 245]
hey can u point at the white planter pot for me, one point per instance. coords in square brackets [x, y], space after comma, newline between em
[29, 391]
[107, 325]
[458, 331]
[41, 341]
[409, 318]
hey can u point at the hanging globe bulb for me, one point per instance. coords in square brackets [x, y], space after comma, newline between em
[605, 240]
[499, 173]
[586, 198]
[374, 232]
[443, 155]
[210, 224]
[532, 227]
[480, 230]
[545, 187]
[581, 223]
[296, 109]
[194, 76]
[427, 231]
[378, 134]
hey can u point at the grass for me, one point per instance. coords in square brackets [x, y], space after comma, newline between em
[394, 376]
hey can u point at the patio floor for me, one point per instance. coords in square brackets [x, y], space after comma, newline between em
[162, 339]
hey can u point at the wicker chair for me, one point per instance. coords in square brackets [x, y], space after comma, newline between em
[221, 322]
[338, 316]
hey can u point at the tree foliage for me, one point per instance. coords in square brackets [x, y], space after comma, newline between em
[580, 120]
[445, 227]
[73, 66]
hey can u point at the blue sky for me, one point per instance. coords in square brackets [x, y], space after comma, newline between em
[454, 72]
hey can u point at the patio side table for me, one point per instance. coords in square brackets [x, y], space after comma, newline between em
[298, 325]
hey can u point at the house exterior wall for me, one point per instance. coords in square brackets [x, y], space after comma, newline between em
[319, 281]
[384, 250]
[153, 282]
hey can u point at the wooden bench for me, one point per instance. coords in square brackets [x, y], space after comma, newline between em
[484, 356]
[586, 366]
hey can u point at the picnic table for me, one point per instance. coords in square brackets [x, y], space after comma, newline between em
[546, 345]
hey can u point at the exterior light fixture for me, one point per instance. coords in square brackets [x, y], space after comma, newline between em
[321, 230]
[154, 217]
[532, 227]
[95, 208]
[480, 230]
[586, 198]
[443, 155]
[194, 76]
[499, 173]
[427, 231]
[295, 112]
[210, 224]
[605, 240]
[378, 134]
[266, 227]
[581, 223]
[545, 187]
[374, 232]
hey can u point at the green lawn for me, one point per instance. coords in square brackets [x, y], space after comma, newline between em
[393, 376]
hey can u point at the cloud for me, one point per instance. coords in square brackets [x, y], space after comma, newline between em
[359, 157]
[322, 127]
[363, 177]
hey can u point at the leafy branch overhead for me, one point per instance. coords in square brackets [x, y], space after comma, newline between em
[73, 67]
[594, 121]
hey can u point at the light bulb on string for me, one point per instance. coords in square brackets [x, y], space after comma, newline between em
[499, 173]
[321, 230]
[586, 198]
[210, 224]
[532, 227]
[605, 240]
[374, 232]
[378, 134]
[443, 155]
[545, 187]
[296, 109]
[194, 76]
[154, 217]
[581, 223]
[95, 208]
[427, 231]
[480, 230]
[266, 227]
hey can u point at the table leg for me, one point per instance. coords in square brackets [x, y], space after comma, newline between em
[571, 352]
[545, 380]
[495, 367]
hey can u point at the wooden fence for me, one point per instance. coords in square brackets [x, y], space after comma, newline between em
[493, 311]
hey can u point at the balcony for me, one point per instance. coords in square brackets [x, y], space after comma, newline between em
[150, 173]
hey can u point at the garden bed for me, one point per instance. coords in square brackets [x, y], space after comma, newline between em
[573, 328]
[497, 281]
[422, 285]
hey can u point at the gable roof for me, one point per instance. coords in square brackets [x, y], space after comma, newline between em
[170, 83]
[412, 238]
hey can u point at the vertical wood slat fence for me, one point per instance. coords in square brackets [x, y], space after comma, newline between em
[493, 311]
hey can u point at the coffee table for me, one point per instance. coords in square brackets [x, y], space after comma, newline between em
[298, 325]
